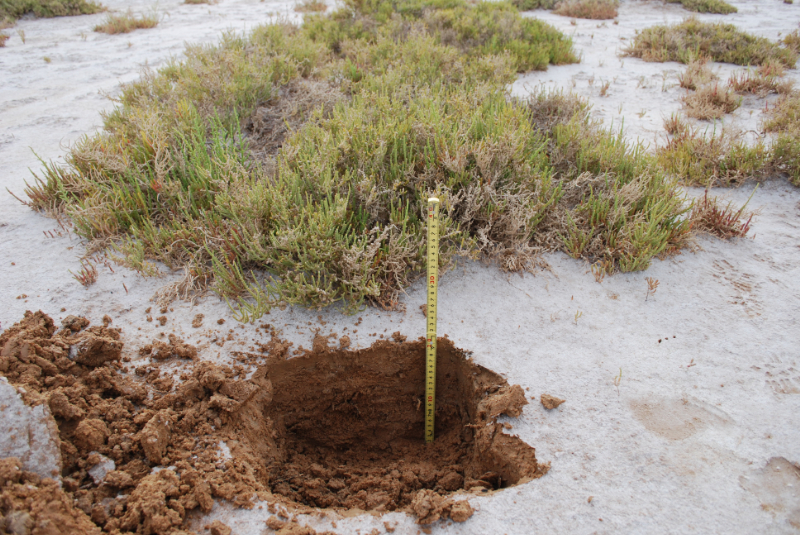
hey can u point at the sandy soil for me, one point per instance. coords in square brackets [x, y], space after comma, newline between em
[682, 411]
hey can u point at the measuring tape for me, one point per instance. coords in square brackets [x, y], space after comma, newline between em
[430, 347]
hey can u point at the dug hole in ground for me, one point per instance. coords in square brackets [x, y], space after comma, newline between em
[682, 411]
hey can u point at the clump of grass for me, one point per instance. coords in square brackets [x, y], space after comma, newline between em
[785, 115]
[588, 9]
[196, 2]
[710, 102]
[334, 210]
[719, 7]
[126, 23]
[719, 158]
[709, 216]
[725, 158]
[674, 124]
[311, 6]
[758, 83]
[721, 42]
[530, 5]
[3, 38]
[784, 121]
[792, 41]
[11, 10]
[697, 74]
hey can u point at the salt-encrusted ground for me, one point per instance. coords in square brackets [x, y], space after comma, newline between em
[700, 433]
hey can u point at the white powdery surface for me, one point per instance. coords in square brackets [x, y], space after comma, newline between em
[29, 433]
[701, 432]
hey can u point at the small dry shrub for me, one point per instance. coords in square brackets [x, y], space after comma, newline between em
[697, 73]
[195, 2]
[311, 6]
[709, 216]
[3, 38]
[710, 102]
[588, 9]
[758, 84]
[126, 23]
[674, 125]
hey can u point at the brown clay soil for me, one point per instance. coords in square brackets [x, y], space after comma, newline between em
[332, 429]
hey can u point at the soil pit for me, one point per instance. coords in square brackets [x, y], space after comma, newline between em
[331, 429]
[344, 429]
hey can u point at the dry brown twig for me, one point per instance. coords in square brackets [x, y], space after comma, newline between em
[652, 286]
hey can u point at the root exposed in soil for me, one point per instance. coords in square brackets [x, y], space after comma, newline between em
[331, 429]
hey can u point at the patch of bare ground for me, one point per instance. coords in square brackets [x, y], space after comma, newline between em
[293, 106]
[331, 428]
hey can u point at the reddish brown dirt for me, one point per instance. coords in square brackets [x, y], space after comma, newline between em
[332, 429]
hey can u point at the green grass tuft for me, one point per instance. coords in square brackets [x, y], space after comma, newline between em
[719, 158]
[311, 6]
[588, 9]
[719, 7]
[11, 10]
[126, 23]
[783, 121]
[692, 39]
[530, 5]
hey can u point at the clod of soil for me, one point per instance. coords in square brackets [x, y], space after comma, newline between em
[551, 402]
[332, 429]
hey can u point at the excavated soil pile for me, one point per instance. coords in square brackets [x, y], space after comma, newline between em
[331, 429]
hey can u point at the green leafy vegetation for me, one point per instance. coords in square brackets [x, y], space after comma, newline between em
[126, 23]
[721, 157]
[530, 5]
[724, 157]
[587, 9]
[293, 165]
[719, 7]
[784, 121]
[692, 39]
[11, 10]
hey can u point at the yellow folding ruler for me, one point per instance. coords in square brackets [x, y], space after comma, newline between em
[430, 347]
